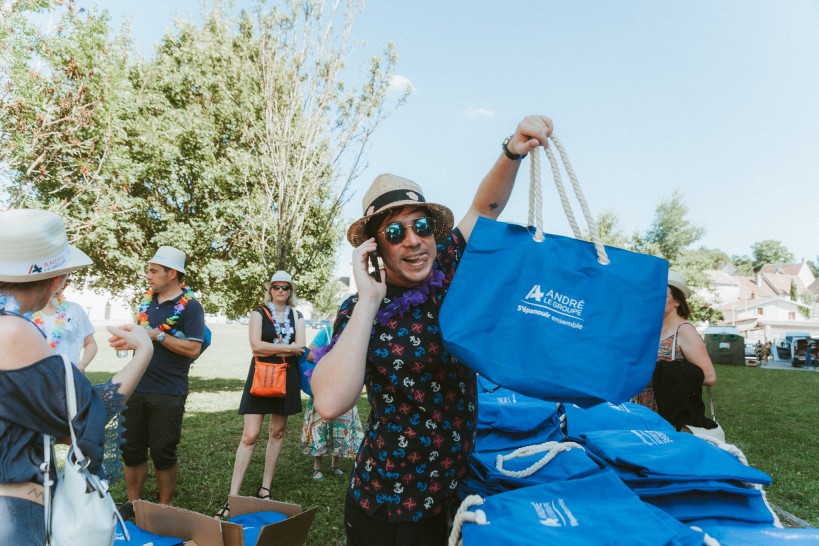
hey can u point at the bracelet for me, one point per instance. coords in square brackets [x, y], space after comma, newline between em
[510, 155]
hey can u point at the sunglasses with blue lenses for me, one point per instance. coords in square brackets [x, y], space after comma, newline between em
[395, 232]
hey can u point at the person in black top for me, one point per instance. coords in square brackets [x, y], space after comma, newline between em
[421, 428]
[276, 331]
[175, 321]
[35, 259]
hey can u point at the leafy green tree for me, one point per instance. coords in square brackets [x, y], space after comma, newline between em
[670, 232]
[770, 252]
[814, 266]
[237, 142]
[744, 265]
[611, 233]
[61, 121]
[327, 299]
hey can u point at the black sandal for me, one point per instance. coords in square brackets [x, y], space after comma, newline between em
[259, 493]
[224, 512]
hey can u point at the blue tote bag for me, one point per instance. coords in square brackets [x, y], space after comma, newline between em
[555, 317]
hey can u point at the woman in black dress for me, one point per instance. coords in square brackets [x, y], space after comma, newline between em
[276, 331]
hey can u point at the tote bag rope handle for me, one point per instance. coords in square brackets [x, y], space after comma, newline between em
[536, 198]
[463, 515]
[550, 448]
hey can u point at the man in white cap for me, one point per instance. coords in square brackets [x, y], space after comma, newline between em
[421, 428]
[176, 323]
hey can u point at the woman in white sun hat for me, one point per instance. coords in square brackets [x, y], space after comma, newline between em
[35, 257]
[276, 332]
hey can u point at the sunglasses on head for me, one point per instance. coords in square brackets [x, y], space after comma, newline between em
[395, 232]
[282, 287]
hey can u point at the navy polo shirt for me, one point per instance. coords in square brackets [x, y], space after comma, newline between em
[167, 372]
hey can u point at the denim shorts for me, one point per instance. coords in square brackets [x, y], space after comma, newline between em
[21, 522]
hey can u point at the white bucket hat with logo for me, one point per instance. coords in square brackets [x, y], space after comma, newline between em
[169, 257]
[34, 246]
[678, 281]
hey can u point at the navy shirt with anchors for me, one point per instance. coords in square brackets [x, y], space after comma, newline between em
[421, 428]
[167, 373]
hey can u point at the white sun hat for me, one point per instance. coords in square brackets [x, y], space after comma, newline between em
[33, 246]
[678, 281]
[169, 257]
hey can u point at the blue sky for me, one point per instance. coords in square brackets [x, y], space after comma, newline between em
[717, 99]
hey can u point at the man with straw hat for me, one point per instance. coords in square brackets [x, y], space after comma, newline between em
[421, 428]
[176, 323]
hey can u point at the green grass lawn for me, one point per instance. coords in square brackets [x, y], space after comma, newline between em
[771, 415]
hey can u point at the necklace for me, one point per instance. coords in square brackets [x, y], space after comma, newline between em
[412, 297]
[10, 305]
[56, 335]
[170, 323]
[284, 330]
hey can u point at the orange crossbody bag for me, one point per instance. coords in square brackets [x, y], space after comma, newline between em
[269, 378]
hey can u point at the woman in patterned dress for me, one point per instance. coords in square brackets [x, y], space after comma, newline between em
[341, 437]
[689, 344]
[276, 331]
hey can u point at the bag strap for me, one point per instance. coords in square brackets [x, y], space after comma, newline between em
[536, 199]
[707, 387]
[550, 448]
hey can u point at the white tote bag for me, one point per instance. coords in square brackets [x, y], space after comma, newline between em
[79, 510]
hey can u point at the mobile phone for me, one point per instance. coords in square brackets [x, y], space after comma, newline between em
[375, 261]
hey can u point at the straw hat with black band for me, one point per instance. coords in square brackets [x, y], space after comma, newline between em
[34, 246]
[390, 192]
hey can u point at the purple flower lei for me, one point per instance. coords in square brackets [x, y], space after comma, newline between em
[399, 306]
[412, 297]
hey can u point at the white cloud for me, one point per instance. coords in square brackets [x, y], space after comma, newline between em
[479, 113]
[400, 84]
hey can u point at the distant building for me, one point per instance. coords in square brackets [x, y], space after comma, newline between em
[761, 307]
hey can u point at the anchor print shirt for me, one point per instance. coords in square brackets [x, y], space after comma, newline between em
[421, 429]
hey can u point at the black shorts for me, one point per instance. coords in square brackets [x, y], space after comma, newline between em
[153, 421]
[376, 530]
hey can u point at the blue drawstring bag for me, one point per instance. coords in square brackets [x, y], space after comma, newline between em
[580, 322]
[759, 535]
[508, 411]
[693, 505]
[647, 455]
[608, 416]
[598, 509]
[306, 372]
[140, 537]
[659, 488]
[491, 473]
[253, 522]
[508, 420]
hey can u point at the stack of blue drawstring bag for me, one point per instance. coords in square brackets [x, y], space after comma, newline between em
[140, 537]
[545, 471]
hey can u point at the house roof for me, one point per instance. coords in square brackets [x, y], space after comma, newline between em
[781, 283]
[783, 269]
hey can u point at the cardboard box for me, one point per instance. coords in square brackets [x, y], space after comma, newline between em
[200, 530]
[195, 529]
[292, 531]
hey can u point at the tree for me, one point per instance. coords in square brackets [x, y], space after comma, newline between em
[608, 223]
[814, 266]
[327, 300]
[744, 265]
[237, 142]
[769, 252]
[671, 231]
[61, 111]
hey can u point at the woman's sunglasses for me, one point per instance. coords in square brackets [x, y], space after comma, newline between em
[395, 232]
[281, 287]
